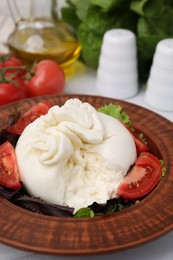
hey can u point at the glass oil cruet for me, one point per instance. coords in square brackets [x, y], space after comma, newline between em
[40, 34]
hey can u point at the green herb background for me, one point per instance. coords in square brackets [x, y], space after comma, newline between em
[150, 20]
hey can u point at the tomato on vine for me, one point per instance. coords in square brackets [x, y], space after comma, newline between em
[18, 81]
[48, 78]
[11, 64]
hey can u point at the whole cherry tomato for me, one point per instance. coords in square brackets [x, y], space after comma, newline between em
[11, 91]
[11, 64]
[48, 79]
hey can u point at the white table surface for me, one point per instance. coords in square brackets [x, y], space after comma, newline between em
[159, 249]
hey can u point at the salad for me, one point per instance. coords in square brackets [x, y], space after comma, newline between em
[144, 170]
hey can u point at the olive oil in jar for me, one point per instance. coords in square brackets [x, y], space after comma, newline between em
[31, 44]
[44, 36]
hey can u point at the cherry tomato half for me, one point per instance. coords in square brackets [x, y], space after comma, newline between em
[33, 113]
[142, 178]
[140, 145]
[9, 174]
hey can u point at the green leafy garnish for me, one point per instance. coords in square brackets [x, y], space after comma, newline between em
[163, 168]
[142, 138]
[117, 112]
[84, 213]
[111, 206]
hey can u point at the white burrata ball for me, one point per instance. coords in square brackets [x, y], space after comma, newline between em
[74, 156]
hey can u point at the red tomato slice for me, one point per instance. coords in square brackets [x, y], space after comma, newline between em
[142, 178]
[33, 113]
[140, 145]
[9, 175]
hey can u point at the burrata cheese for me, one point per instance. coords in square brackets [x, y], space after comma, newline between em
[74, 156]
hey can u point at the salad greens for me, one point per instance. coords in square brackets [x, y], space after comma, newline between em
[163, 168]
[84, 213]
[111, 206]
[150, 20]
[115, 111]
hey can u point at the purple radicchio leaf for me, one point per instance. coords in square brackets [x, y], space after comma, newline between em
[39, 206]
[8, 193]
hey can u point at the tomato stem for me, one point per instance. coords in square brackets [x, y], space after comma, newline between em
[2, 76]
[10, 79]
[4, 58]
[22, 67]
[15, 67]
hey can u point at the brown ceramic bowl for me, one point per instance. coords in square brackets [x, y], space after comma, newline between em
[141, 223]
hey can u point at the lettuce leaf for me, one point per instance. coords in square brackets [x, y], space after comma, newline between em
[95, 24]
[107, 5]
[117, 112]
[93, 19]
[155, 23]
[151, 20]
[137, 6]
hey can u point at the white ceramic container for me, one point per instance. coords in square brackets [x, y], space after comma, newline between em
[159, 92]
[117, 74]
